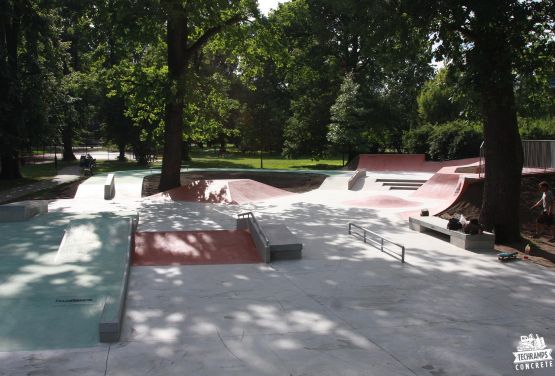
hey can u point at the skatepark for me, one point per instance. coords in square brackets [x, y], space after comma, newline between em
[187, 282]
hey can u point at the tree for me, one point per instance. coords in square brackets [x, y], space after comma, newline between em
[348, 118]
[190, 25]
[489, 41]
[30, 52]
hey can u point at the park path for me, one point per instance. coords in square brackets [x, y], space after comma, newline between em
[65, 175]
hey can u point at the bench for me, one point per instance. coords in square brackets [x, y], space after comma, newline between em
[483, 241]
[109, 187]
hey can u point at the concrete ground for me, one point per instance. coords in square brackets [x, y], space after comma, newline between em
[344, 309]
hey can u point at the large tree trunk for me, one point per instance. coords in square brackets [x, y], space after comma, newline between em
[121, 149]
[9, 168]
[177, 61]
[67, 141]
[503, 147]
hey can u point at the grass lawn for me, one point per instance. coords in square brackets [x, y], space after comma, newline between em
[209, 158]
[201, 158]
[33, 173]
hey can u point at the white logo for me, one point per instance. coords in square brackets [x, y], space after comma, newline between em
[532, 353]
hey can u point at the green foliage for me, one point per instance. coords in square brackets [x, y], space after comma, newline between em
[452, 140]
[436, 101]
[537, 129]
[415, 141]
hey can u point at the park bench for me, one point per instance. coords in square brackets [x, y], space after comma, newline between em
[483, 241]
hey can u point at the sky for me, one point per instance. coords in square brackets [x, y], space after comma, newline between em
[266, 5]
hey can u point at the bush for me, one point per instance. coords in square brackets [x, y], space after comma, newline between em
[415, 141]
[453, 140]
[537, 129]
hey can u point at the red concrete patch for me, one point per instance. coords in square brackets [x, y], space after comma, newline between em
[195, 248]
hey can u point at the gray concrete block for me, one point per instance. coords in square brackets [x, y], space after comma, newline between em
[483, 241]
[111, 320]
[23, 210]
[109, 187]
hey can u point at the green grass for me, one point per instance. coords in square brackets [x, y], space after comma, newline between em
[209, 158]
[201, 158]
[33, 173]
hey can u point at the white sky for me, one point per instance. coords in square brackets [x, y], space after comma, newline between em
[266, 5]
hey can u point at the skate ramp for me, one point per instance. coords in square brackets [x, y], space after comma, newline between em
[237, 191]
[441, 186]
[403, 162]
[382, 201]
[194, 248]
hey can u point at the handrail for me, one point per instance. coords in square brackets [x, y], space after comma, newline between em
[482, 157]
[376, 243]
[255, 222]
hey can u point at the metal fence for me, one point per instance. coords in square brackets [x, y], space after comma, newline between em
[539, 154]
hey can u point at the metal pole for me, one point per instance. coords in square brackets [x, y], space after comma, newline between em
[403, 254]
[382, 244]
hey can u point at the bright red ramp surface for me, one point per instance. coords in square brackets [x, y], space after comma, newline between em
[404, 162]
[194, 248]
[440, 187]
[222, 191]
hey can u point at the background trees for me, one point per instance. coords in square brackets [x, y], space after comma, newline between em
[313, 77]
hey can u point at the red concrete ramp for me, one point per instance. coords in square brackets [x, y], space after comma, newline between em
[194, 248]
[246, 190]
[404, 163]
[440, 187]
[381, 201]
[207, 191]
[222, 191]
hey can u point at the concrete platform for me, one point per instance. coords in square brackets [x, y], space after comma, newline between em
[284, 245]
[343, 309]
[23, 210]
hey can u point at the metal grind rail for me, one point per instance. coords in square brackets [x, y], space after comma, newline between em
[380, 244]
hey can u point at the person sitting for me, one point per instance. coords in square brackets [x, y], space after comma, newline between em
[545, 219]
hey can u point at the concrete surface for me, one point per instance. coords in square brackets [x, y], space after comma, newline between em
[344, 309]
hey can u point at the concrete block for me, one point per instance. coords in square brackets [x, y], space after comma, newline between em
[22, 211]
[109, 187]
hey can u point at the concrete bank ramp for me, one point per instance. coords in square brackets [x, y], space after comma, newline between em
[63, 295]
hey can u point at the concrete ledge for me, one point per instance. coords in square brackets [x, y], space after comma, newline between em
[109, 187]
[110, 324]
[483, 241]
[258, 236]
[284, 245]
[22, 211]
[359, 174]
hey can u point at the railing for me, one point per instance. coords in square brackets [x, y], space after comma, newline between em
[376, 243]
[482, 158]
[263, 248]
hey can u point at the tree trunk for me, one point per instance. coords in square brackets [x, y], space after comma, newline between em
[186, 151]
[503, 147]
[121, 149]
[67, 140]
[176, 38]
[9, 168]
